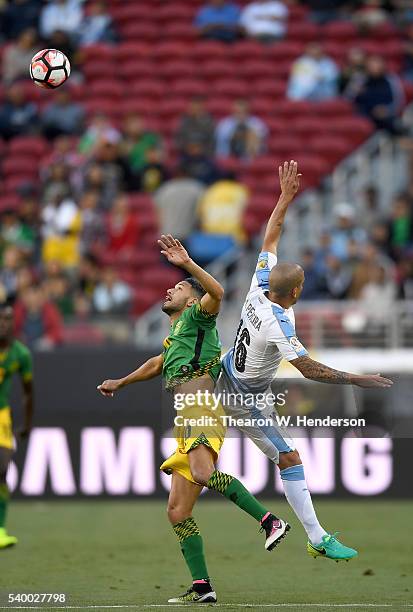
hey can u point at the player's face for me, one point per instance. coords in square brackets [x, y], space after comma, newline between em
[177, 298]
[6, 323]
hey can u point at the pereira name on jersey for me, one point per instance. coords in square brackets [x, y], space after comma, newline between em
[266, 335]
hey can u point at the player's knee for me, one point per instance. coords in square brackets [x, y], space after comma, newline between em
[177, 513]
[289, 459]
[202, 473]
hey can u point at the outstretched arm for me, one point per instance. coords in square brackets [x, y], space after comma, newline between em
[289, 183]
[313, 370]
[148, 370]
[177, 255]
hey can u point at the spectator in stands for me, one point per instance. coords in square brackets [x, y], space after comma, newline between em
[241, 134]
[323, 11]
[408, 53]
[353, 71]
[14, 232]
[17, 56]
[18, 16]
[218, 20]
[136, 143]
[37, 321]
[58, 292]
[153, 173]
[62, 116]
[112, 296]
[17, 115]
[92, 231]
[314, 76]
[265, 20]
[61, 224]
[380, 95]
[65, 15]
[220, 219]
[11, 263]
[176, 202]
[196, 125]
[87, 275]
[345, 232]
[400, 226]
[97, 26]
[370, 15]
[56, 180]
[107, 184]
[199, 165]
[365, 268]
[314, 286]
[122, 227]
[338, 277]
[100, 129]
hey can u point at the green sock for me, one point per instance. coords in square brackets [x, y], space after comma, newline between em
[234, 490]
[192, 548]
[4, 500]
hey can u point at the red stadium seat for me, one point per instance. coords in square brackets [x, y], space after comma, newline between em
[146, 88]
[132, 11]
[208, 50]
[284, 50]
[141, 30]
[9, 202]
[189, 87]
[132, 50]
[254, 69]
[343, 31]
[337, 107]
[215, 69]
[98, 52]
[357, 129]
[284, 147]
[304, 32]
[268, 88]
[137, 105]
[175, 11]
[262, 107]
[220, 107]
[95, 70]
[290, 109]
[180, 31]
[23, 166]
[101, 105]
[307, 127]
[136, 69]
[234, 88]
[28, 145]
[111, 89]
[178, 69]
[247, 50]
[171, 50]
[331, 149]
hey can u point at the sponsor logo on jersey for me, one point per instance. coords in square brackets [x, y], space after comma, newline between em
[295, 343]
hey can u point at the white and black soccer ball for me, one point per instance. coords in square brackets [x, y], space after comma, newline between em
[49, 68]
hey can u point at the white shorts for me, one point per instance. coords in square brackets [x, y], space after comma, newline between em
[260, 424]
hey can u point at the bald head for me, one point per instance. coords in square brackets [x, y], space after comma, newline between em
[286, 282]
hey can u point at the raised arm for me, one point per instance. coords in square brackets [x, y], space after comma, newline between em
[177, 255]
[314, 370]
[289, 183]
[149, 369]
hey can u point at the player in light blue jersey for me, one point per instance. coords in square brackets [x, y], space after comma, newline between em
[266, 334]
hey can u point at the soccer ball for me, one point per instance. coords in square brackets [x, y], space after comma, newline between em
[49, 68]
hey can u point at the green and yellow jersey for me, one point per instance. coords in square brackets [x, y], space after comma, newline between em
[192, 349]
[16, 359]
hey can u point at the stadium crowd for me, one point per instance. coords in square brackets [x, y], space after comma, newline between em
[77, 215]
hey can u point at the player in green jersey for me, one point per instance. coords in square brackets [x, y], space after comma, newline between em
[190, 365]
[14, 358]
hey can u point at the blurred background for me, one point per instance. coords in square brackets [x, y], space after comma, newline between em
[175, 118]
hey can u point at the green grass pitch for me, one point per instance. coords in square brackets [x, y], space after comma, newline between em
[125, 554]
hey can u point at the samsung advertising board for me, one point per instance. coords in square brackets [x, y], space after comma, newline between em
[84, 445]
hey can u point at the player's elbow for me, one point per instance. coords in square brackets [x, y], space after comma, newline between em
[219, 293]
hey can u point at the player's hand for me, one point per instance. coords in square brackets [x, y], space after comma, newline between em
[289, 179]
[369, 381]
[173, 250]
[108, 387]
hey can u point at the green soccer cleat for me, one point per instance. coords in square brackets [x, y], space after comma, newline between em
[6, 540]
[196, 594]
[331, 548]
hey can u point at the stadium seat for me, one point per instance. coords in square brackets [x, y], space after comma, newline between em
[332, 149]
[28, 145]
[189, 87]
[134, 69]
[112, 89]
[170, 50]
[23, 166]
[357, 129]
[204, 50]
[178, 69]
[343, 31]
[147, 88]
[235, 88]
[127, 51]
[141, 30]
[337, 107]
[307, 127]
[304, 32]
[98, 52]
[216, 69]
[97, 70]
[247, 50]
[179, 31]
